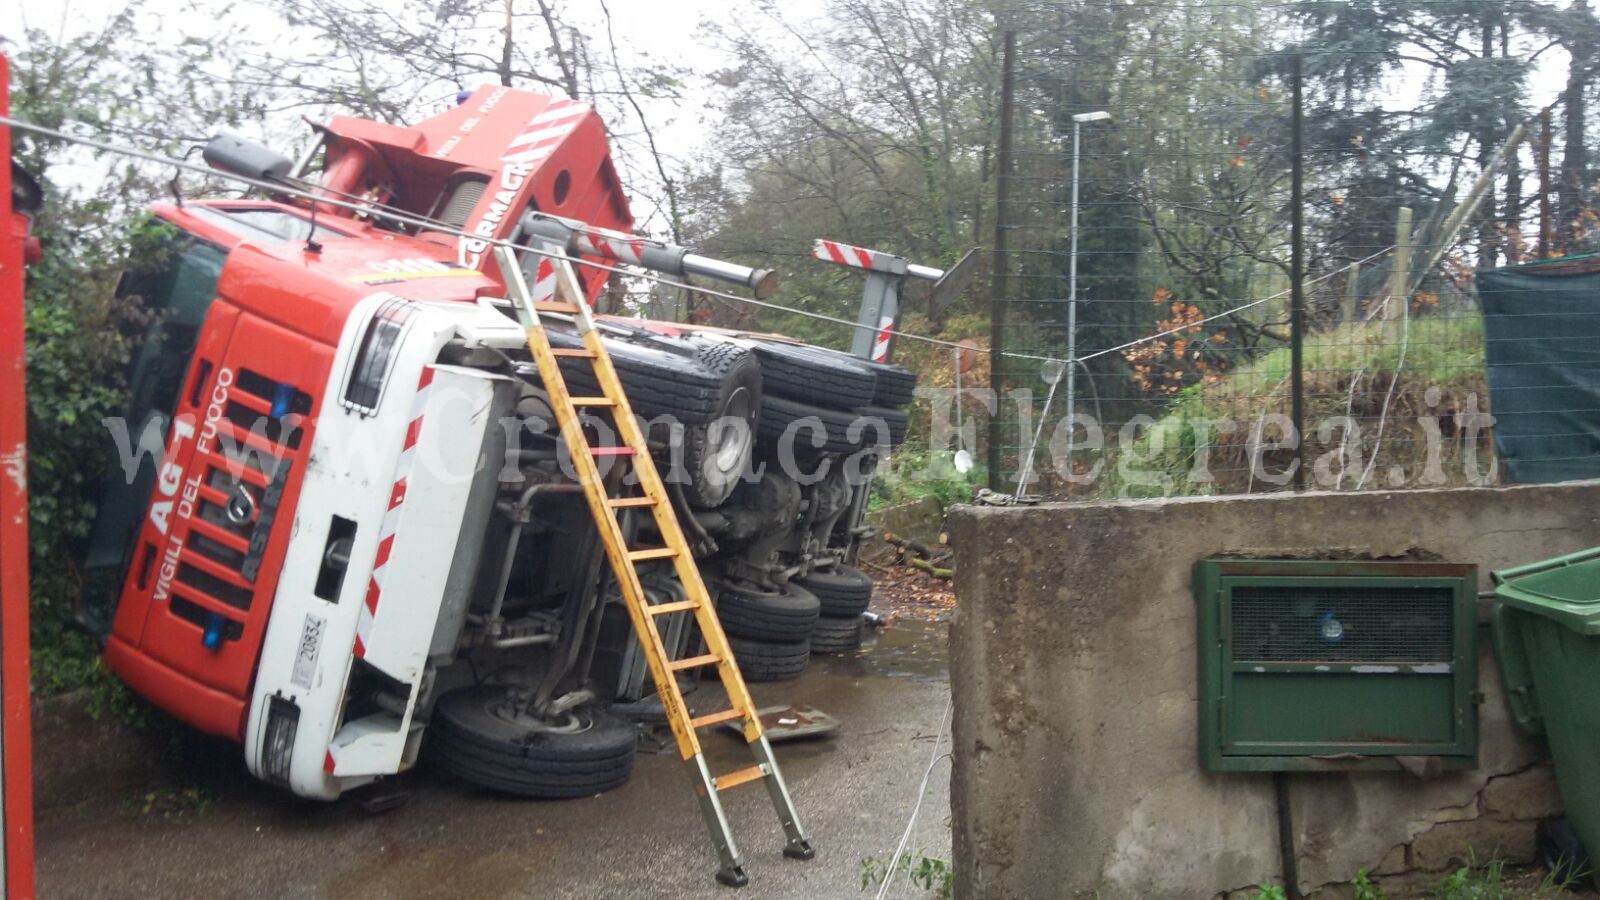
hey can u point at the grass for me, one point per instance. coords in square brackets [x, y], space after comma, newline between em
[1492, 881]
[1437, 349]
[914, 474]
[1361, 370]
[930, 873]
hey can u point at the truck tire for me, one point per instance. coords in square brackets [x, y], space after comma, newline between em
[763, 616]
[815, 375]
[472, 738]
[896, 386]
[837, 634]
[658, 382]
[842, 590]
[770, 661]
[717, 452]
[713, 391]
[841, 431]
[893, 427]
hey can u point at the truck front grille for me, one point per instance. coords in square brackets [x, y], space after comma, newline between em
[244, 467]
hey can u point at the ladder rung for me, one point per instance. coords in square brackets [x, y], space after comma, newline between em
[661, 609]
[571, 353]
[611, 451]
[652, 553]
[734, 779]
[690, 662]
[552, 306]
[629, 502]
[593, 401]
[716, 718]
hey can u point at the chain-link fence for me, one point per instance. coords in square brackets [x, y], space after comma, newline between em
[1167, 134]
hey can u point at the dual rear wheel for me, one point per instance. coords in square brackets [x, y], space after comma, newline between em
[483, 734]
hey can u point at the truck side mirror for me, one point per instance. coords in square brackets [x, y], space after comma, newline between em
[237, 155]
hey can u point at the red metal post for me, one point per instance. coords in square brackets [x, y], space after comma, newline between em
[16, 763]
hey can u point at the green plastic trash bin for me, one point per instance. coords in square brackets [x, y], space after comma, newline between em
[1546, 627]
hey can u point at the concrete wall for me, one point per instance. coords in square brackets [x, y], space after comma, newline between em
[919, 520]
[1073, 671]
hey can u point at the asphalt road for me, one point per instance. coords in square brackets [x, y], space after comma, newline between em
[210, 830]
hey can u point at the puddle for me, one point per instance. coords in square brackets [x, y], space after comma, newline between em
[907, 648]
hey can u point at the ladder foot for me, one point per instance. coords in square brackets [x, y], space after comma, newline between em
[800, 849]
[733, 876]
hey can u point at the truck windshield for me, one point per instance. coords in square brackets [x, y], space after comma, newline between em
[175, 287]
[266, 225]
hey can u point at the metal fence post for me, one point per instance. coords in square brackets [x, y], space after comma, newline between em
[997, 277]
[1297, 276]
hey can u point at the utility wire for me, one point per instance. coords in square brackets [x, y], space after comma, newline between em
[403, 218]
[922, 791]
[1229, 312]
[433, 225]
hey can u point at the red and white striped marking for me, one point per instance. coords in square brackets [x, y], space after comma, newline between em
[880, 344]
[544, 281]
[545, 132]
[612, 248]
[391, 518]
[843, 254]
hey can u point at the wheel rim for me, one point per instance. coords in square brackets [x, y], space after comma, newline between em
[512, 713]
[733, 443]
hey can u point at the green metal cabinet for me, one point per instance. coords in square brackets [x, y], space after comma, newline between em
[1311, 665]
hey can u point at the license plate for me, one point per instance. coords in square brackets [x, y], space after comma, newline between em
[305, 659]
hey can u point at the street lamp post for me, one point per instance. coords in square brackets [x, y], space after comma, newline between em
[1072, 321]
[1072, 281]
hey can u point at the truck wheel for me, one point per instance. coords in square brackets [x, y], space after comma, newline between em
[770, 661]
[815, 375]
[477, 737]
[897, 385]
[717, 452]
[763, 616]
[843, 590]
[837, 635]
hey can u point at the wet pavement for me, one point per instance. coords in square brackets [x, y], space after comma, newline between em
[213, 831]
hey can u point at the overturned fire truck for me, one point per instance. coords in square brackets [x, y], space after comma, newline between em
[352, 537]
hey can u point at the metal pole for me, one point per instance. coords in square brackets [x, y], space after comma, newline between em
[1297, 274]
[1286, 852]
[997, 290]
[1072, 304]
[1546, 219]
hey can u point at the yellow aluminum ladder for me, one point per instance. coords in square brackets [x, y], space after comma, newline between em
[624, 560]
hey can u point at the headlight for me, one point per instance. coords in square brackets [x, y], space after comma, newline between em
[277, 744]
[370, 367]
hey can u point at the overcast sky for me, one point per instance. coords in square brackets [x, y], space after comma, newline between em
[672, 32]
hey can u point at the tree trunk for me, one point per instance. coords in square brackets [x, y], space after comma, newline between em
[1570, 202]
[1488, 233]
[506, 46]
[1513, 202]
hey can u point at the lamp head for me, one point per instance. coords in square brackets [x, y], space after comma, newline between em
[1096, 116]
